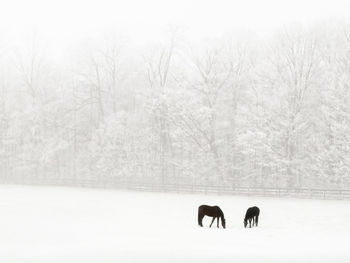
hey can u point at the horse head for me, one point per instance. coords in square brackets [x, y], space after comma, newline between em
[223, 222]
[245, 222]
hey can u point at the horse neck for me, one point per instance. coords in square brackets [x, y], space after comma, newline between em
[222, 215]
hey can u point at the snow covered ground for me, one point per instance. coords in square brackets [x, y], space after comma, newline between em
[57, 224]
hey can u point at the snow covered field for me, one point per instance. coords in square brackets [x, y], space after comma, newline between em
[56, 224]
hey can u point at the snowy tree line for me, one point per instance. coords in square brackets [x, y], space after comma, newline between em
[237, 110]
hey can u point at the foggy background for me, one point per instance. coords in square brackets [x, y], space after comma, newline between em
[252, 93]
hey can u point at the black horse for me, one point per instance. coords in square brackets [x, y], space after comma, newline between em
[212, 211]
[252, 214]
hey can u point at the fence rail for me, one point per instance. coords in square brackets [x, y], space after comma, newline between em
[343, 194]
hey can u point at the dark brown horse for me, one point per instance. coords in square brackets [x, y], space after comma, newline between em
[212, 211]
[252, 214]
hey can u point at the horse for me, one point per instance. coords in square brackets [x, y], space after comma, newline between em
[212, 211]
[252, 214]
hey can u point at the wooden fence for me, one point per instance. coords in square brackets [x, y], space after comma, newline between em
[342, 194]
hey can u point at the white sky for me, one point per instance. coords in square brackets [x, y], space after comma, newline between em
[70, 20]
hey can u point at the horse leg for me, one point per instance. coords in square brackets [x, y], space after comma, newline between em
[256, 220]
[212, 221]
[217, 221]
[250, 223]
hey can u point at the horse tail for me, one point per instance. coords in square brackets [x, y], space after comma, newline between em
[199, 217]
[258, 211]
[257, 216]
